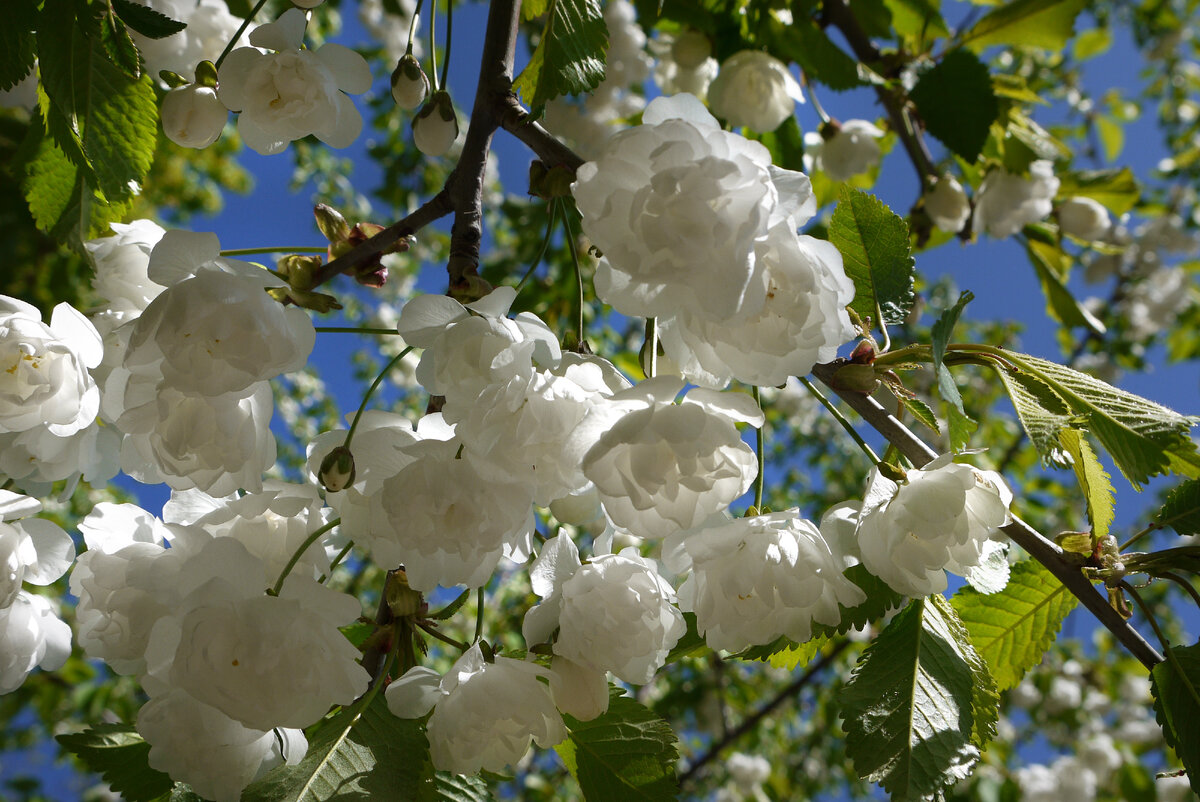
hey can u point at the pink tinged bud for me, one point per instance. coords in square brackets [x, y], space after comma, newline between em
[436, 126]
[410, 86]
[192, 116]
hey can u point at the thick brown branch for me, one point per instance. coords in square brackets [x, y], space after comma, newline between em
[545, 146]
[466, 182]
[839, 14]
[1021, 533]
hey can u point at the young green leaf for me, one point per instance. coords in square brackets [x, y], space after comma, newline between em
[118, 46]
[1175, 685]
[1118, 190]
[1181, 511]
[1060, 303]
[17, 43]
[1093, 479]
[921, 411]
[1047, 24]
[919, 20]
[569, 59]
[873, 241]
[121, 756]
[1012, 629]
[960, 424]
[627, 754]
[956, 102]
[369, 755]
[910, 711]
[1042, 412]
[690, 643]
[147, 21]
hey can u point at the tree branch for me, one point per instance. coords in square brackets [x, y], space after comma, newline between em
[1043, 550]
[545, 145]
[753, 720]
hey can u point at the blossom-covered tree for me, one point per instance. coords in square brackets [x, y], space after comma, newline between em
[690, 435]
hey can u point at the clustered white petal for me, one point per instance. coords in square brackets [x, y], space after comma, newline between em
[754, 89]
[1005, 202]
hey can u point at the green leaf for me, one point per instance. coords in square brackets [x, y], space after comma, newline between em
[121, 756]
[627, 754]
[1092, 43]
[146, 21]
[874, 244]
[1042, 412]
[921, 411]
[449, 787]
[375, 755]
[918, 20]
[797, 654]
[821, 59]
[1112, 137]
[569, 58]
[1093, 480]
[873, 16]
[1144, 438]
[1175, 685]
[17, 43]
[533, 9]
[1048, 24]
[910, 708]
[1060, 303]
[1118, 190]
[956, 101]
[960, 424]
[786, 144]
[1012, 629]
[1181, 511]
[691, 642]
[118, 47]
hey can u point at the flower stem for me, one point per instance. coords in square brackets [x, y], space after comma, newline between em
[432, 630]
[280, 249]
[353, 330]
[552, 206]
[570, 237]
[412, 27]
[341, 555]
[433, 70]
[478, 617]
[241, 30]
[650, 365]
[308, 541]
[760, 442]
[370, 390]
[870, 452]
[449, 39]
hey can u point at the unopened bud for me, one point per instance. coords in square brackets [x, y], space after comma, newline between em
[857, 378]
[300, 270]
[410, 85]
[192, 116]
[172, 79]
[206, 74]
[337, 470]
[554, 182]
[403, 601]
[690, 49]
[436, 126]
[864, 353]
[331, 223]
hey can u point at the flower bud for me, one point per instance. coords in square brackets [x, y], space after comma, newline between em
[337, 469]
[192, 116]
[436, 127]
[690, 49]
[401, 598]
[947, 205]
[299, 270]
[754, 89]
[1083, 218]
[331, 223]
[410, 85]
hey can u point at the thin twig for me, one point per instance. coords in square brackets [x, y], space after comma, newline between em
[1042, 550]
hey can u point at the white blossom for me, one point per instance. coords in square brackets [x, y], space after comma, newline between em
[848, 149]
[44, 378]
[34, 550]
[677, 205]
[659, 466]
[1005, 202]
[293, 92]
[938, 520]
[485, 715]
[435, 128]
[121, 262]
[210, 26]
[754, 579]
[684, 63]
[754, 89]
[947, 205]
[193, 116]
[31, 635]
[1083, 218]
[616, 613]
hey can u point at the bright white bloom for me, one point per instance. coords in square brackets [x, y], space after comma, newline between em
[192, 116]
[44, 379]
[436, 126]
[1038, 783]
[938, 521]
[410, 85]
[1173, 789]
[754, 579]
[485, 715]
[1083, 218]
[685, 63]
[677, 206]
[214, 330]
[947, 205]
[802, 322]
[121, 261]
[444, 521]
[217, 756]
[851, 148]
[210, 26]
[754, 89]
[1005, 202]
[31, 635]
[293, 92]
[266, 661]
[660, 466]
[748, 772]
[37, 458]
[218, 444]
[32, 550]
[1153, 303]
[614, 614]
